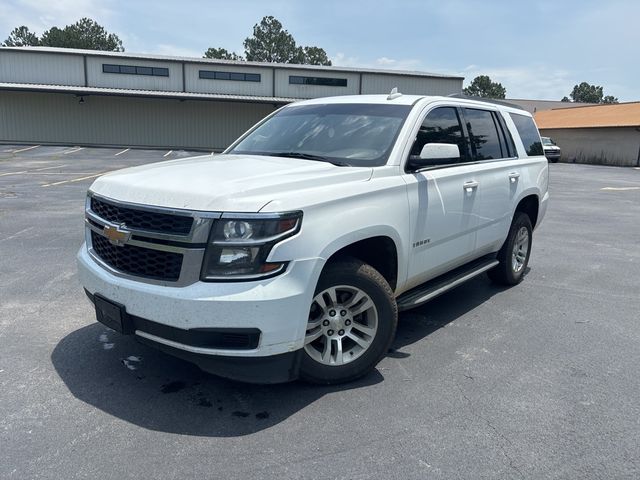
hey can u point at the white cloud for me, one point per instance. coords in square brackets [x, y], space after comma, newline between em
[400, 64]
[342, 60]
[526, 82]
[385, 61]
[41, 15]
[175, 51]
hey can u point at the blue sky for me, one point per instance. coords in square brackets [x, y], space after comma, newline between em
[536, 49]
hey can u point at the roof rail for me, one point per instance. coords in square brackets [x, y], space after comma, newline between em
[486, 100]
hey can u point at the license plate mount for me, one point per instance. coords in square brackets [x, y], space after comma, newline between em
[113, 315]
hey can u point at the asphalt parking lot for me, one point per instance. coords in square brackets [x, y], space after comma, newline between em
[536, 381]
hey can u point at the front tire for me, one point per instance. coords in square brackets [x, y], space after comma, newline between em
[514, 254]
[352, 322]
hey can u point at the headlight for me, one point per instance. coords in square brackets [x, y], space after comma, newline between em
[240, 244]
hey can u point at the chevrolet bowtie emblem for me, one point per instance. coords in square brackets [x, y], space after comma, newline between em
[116, 235]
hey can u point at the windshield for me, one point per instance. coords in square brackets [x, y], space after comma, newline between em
[343, 134]
[546, 141]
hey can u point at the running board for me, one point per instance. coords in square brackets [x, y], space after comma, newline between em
[439, 285]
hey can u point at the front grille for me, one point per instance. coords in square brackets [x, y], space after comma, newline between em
[142, 219]
[138, 261]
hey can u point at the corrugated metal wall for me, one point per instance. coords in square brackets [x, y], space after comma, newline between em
[383, 83]
[97, 78]
[285, 89]
[602, 146]
[44, 68]
[136, 121]
[61, 119]
[193, 83]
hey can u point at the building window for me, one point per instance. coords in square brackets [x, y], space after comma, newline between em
[133, 70]
[236, 76]
[321, 81]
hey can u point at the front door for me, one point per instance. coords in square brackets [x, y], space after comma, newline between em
[441, 202]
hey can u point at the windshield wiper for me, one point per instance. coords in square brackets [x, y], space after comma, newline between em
[309, 156]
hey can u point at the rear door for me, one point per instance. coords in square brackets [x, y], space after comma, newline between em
[498, 175]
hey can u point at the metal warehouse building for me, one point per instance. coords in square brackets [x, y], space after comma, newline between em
[602, 134]
[533, 106]
[86, 97]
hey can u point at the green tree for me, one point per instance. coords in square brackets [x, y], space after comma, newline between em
[85, 33]
[54, 37]
[482, 86]
[587, 93]
[21, 37]
[316, 56]
[222, 54]
[565, 99]
[271, 43]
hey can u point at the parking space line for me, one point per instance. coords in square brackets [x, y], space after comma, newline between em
[73, 180]
[168, 153]
[123, 151]
[25, 149]
[49, 168]
[620, 189]
[73, 151]
[12, 173]
[17, 234]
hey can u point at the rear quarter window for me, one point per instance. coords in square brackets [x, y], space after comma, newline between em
[528, 134]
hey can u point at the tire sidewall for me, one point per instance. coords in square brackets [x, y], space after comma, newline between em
[521, 220]
[367, 279]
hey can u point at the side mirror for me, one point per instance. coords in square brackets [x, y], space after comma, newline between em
[434, 154]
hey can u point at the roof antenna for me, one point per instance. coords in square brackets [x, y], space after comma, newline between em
[394, 94]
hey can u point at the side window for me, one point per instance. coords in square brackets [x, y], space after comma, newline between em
[441, 125]
[485, 143]
[528, 134]
[506, 135]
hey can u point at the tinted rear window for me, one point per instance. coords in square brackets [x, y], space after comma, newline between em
[528, 133]
[484, 136]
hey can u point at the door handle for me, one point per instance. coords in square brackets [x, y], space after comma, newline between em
[470, 186]
[513, 176]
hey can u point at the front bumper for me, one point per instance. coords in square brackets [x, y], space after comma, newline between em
[552, 154]
[278, 307]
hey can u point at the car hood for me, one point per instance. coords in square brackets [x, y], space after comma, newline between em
[230, 183]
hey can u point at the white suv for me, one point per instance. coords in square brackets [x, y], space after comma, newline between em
[290, 254]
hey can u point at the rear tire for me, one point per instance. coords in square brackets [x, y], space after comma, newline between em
[514, 254]
[352, 322]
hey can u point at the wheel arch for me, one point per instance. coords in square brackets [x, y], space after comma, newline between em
[379, 248]
[529, 204]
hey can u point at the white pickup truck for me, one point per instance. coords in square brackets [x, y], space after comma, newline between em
[290, 254]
